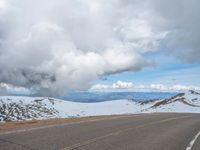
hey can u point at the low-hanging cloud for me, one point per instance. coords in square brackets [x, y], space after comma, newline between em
[123, 85]
[51, 46]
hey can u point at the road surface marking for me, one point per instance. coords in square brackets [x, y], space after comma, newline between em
[87, 142]
[193, 141]
[70, 123]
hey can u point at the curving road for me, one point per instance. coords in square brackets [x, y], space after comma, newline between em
[167, 131]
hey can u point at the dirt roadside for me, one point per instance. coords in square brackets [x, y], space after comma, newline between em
[16, 125]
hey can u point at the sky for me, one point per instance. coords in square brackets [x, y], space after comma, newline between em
[48, 47]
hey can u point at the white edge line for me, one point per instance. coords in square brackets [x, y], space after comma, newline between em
[189, 147]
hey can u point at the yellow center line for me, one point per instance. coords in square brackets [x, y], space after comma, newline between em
[84, 143]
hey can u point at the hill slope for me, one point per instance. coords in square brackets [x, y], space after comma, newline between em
[28, 108]
[183, 102]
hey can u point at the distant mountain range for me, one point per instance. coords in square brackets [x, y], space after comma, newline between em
[15, 108]
[91, 97]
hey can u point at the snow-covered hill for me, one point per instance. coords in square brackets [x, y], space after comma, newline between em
[183, 102]
[28, 108]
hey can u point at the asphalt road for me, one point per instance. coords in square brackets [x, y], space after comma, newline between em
[132, 132]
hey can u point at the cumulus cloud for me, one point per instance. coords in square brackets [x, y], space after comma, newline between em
[51, 46]
[117, 85]
[129, 86]
[122, 85]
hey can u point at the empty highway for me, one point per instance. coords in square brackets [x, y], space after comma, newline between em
[159, 131]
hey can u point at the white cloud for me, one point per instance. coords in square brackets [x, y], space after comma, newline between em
[129, 86]
[184, 88]
[100, 87]
[52, 46]
[117, 85]
[122, 85]
[9, 88]
[158, 87]
[64, 45]
[2, 3]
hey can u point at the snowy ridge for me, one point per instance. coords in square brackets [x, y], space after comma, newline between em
[183, 102]
[27, 108]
